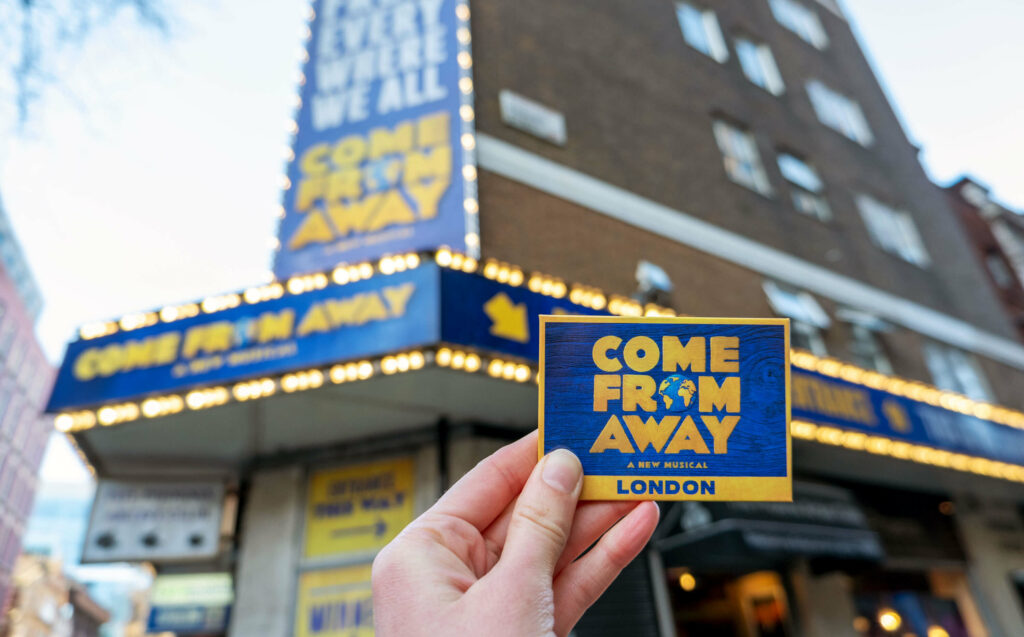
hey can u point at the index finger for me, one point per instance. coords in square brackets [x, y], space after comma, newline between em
[481, 495]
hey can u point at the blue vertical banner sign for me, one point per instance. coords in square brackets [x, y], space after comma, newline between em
[383, 157]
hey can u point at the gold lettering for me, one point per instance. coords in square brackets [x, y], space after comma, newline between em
[86, 364]
[674, 355]
[638, 393]
[612, 437]
[636, 345]
[314, 160]
[606, 387]
[725, 354]
[314, 229]
[432, 163]
[427, 196]
[602, 346]
[272, 327]
[349, 151]
[393, 210]
[714, 396]
[432, 130]
[650, 433]
[354, 216]
[314, 321]
[388, 142]
[720, 430]
[687, 438]
[310, 189]
[398, 297]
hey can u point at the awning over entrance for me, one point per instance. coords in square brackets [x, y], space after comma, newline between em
[381, 347]
[821, 522]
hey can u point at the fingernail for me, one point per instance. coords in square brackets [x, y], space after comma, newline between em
[562, 470]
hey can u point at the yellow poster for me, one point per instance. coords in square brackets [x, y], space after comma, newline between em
[335, 603]
[358, 508]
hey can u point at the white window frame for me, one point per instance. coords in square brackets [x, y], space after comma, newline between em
[758, 65]
[956, 371]
[839, 112]
[866, 348]
[807, 318]
[893, 230]
[710, 41]
[801, 20]
[808, 189]
[741, 158]
[1000, 272]
[815, 340]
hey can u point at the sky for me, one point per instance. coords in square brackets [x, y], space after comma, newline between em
[151, 176]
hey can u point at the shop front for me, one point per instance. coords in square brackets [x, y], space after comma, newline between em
[906, 520]
[334, 410]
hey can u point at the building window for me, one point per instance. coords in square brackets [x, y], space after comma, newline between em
[956, 371]
[839, 112]
[742, 161]
[999, 270]
[801, 20]
[807, 186]
[759, 66]
[893, 230]
[701, 31]
[806, 337]
[807, 319]
[866, 348]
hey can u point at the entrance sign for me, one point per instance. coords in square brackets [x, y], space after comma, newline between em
[154, 521]
[190, 604]
[335, 603]
[825, 400]
[669, 408]
[358, 508]
[384, 153]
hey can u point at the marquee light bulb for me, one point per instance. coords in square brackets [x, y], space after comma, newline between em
[687, 582]
[889, 619]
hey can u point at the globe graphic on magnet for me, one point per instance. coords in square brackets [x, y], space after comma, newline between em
[677, 391]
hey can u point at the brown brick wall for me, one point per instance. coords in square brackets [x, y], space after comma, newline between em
[639, 103]
[540, 232]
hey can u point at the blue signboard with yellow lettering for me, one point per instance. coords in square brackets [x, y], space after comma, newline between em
[479, 312]
[339, 322]
[669, 408]
[832, 401]
[383, 155]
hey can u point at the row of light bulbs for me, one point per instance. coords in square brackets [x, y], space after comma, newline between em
[912, 389]
[921, 454]
[472, 362]
[587, 296]
[341, 275]
[540, 283]
[205, 398]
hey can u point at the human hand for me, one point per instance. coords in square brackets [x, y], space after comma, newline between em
[496, 555]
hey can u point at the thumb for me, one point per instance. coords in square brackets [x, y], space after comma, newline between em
[543, 515]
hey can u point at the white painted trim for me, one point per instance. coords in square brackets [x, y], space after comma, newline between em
[557, 179]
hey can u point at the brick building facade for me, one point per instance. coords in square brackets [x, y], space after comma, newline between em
[997, 235]
[640, 105]
[25, 380]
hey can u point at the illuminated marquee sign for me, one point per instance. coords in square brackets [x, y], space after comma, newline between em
[372, 317]
[365, 318]
[669, 408]
[833, 401]
[383, 157]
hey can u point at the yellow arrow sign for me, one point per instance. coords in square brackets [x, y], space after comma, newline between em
[508, 320]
